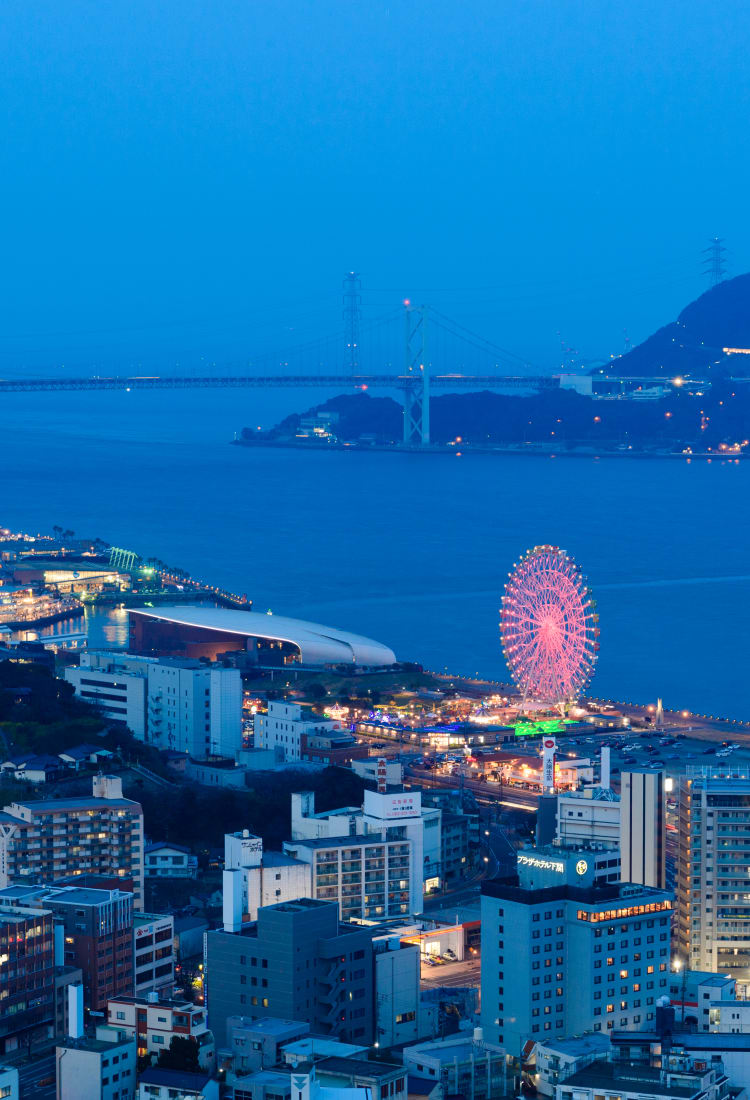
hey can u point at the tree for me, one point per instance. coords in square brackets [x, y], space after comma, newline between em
[182, 1055]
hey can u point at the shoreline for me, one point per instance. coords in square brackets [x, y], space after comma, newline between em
[200, 593]
[46, 620]
[468, 450]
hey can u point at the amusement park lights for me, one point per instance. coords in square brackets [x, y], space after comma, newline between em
[549, 626]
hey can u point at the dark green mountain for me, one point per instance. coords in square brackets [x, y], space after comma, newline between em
[693, 344]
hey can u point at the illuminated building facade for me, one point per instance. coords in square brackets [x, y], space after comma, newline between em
[98, 934]
[197, 631]
[27, 972]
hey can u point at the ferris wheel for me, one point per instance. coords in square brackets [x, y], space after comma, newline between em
[549, 626]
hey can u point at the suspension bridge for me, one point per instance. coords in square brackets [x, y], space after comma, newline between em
[371, 357]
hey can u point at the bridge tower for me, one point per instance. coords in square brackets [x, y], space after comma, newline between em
[416, 381]
[352, 311]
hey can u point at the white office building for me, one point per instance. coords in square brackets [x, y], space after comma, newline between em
[254, 878]
[284, 727]
[679, 1076]
[590, 816]
[725, 1016]
[397, 984]
[96, 1069]
[562, 955]
[118, 686]
[168, 702]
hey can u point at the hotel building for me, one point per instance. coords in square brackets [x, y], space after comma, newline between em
[561, 955]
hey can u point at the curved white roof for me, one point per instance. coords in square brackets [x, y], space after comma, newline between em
[318, 645]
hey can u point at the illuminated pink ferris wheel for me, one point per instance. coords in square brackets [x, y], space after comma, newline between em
[549, 626]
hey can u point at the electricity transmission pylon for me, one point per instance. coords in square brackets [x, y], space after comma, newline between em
[714, 264]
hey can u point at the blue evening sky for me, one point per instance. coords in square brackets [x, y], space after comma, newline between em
[186, 181]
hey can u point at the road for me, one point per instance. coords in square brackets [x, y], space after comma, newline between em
[501, 850]
[515, 798]
[30, 1075]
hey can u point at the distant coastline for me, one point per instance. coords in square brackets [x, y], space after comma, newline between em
[465, 450]
[683, 422]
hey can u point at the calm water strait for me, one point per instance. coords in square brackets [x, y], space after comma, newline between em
[413, 550]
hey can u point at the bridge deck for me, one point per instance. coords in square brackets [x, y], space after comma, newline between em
[248, 381]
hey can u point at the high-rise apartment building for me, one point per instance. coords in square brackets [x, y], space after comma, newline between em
[713, 901]
[296, 962]
[561, 955]
[643, 827]
[170, 702]
[53, 839]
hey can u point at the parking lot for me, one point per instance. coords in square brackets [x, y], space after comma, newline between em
[451, 973]
[672, 750]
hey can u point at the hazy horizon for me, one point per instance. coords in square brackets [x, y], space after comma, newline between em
[187, 184]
